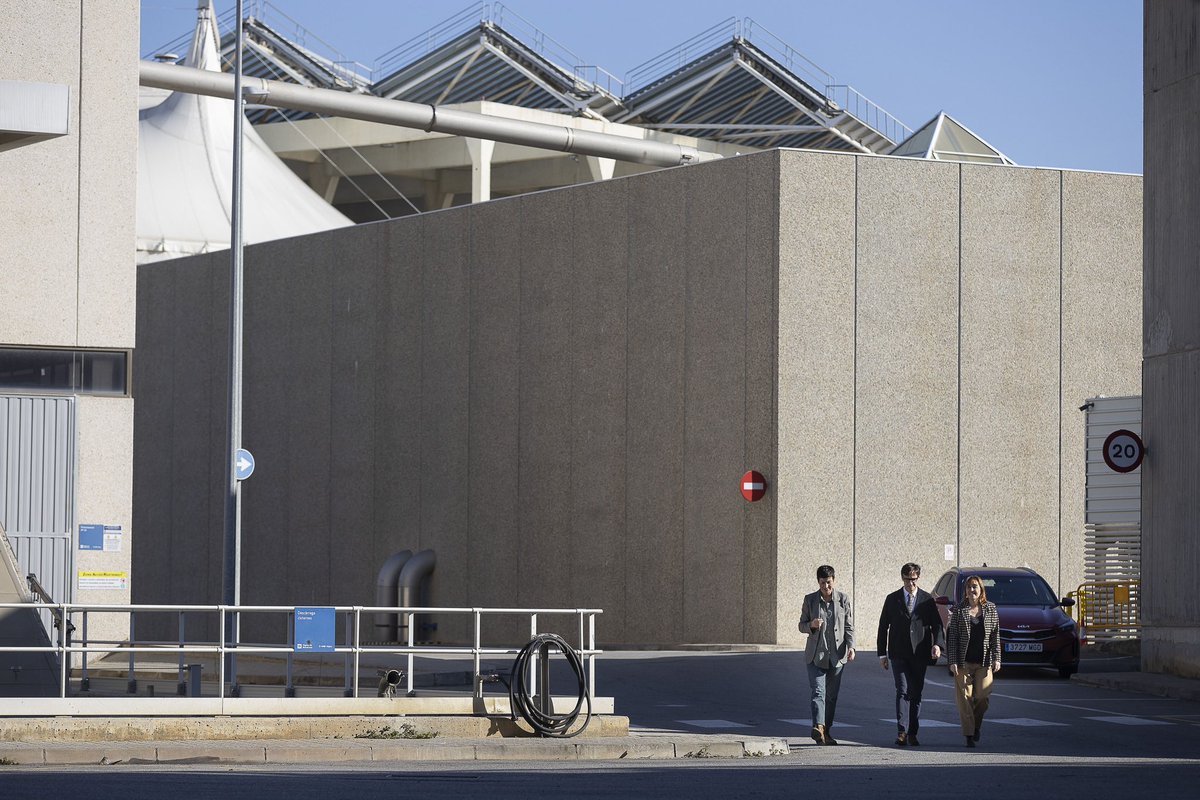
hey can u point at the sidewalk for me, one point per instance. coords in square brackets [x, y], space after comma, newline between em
[308, 751]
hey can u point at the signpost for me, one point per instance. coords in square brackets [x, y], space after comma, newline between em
[1123, 451]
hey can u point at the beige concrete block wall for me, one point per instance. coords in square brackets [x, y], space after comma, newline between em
[1171, 344]
[1009, 370]
[66, 205]
[66, 231]
[814, 485]
[1101, 325]
[920, 313]
[906, 392]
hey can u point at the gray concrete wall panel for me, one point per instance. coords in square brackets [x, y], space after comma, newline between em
[814, 484]
[493, 513]
[906, 436]
[759, 519]
[544, 461]
[598, 429]
[654, 550]
[1101, 324]
[1009, 363]
[1171, 342]
[714, 403]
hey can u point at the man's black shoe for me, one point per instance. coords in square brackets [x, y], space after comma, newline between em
[912, 740]
[901, 739]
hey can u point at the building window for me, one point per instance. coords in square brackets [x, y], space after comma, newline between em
[104, 372]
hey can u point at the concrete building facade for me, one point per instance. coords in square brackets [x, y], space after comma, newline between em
[559, 392]
[1171, 365]
[67, 278]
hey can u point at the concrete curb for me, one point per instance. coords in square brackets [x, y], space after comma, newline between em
[293, 751]
[1154, 683]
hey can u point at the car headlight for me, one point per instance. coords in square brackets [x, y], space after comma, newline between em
[1066, 627]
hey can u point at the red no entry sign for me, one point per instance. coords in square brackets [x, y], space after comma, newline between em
[754, 486]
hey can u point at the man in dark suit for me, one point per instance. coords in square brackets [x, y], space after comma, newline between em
[910, 637]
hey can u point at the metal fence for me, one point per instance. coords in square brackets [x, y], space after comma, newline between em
[77, 653]
[1108, 610]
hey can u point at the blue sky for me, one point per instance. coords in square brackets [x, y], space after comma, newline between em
[1053, 83]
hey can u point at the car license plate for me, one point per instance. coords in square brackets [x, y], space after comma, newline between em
[1023, 647]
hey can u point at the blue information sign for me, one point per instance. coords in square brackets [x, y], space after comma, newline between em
[314, 630]
[91, 537]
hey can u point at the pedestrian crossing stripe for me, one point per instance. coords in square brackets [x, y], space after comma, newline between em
[712, 723]
[927, 723]
[1026, 722]
[807, 723]
[1129, 720]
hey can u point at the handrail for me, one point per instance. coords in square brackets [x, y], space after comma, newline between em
[37, 590]
[352, 650]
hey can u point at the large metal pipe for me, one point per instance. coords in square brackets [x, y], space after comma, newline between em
[280, 94]
[412, 575]
[387, 595]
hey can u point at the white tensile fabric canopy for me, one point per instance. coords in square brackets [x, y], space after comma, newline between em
[185, 173]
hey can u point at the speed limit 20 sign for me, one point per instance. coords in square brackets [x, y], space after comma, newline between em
[1123, 451]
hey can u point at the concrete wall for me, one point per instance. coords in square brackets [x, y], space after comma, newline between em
[558, 393]
[67, 274]
[939, 326]
[1171, 369]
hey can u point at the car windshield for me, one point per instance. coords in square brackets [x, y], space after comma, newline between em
[1018, 590]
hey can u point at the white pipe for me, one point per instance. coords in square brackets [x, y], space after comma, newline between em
[428, 118]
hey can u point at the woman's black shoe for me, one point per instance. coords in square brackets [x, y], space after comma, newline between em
[970, 741]
[976, 736]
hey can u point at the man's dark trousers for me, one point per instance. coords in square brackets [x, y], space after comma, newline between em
[909, 674]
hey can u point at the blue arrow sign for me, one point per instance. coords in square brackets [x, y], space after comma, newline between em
[243, 464]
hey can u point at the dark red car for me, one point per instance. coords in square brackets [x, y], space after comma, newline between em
[1034, 629]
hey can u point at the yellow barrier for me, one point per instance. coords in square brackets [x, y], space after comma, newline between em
[1107, 610]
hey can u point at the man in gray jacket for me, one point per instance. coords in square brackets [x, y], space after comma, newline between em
[828, 619]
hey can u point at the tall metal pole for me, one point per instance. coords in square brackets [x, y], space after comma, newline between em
[233, 504]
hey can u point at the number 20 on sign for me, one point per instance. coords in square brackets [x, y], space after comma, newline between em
[1123, 451]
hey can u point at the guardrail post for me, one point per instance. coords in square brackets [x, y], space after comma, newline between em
[348, 659]
[357, 648]
[85, 683]
[221, 652]
[181, 688]
[132, 685]
[289, 690]
[478, 639]
[64, 641]
[533, 673]
[411, 617]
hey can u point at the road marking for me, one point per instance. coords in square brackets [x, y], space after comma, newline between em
[804, 723]
[1129, 720]
[927, 723]
[1027, 722]
[1039, 702]
[712, 723]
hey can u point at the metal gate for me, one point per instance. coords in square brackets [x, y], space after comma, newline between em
[37, 487]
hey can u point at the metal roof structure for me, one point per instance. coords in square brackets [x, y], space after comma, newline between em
[944, 138]
[735, 83]
[738, 82]
[488, 53]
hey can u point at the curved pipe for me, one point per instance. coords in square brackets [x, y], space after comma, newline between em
[416, 570]
[386, 593]
[280, 94]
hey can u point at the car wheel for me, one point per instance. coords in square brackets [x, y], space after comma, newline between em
[1066, 672]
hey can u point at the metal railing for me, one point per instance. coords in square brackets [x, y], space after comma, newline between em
[352, 650]
[1107, 610]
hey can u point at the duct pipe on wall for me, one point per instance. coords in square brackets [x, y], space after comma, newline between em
[414, 572]
[386, 594]
[428, 118]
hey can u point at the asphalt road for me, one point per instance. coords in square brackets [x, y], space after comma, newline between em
[1045, 737]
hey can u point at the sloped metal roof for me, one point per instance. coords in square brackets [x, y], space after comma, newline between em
[737, 82]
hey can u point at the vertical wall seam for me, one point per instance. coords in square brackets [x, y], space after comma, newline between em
[79, 182]
[958, 433]
[1061, 286]
[854, 399]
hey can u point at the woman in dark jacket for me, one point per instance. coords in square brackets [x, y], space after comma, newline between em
[973, 652]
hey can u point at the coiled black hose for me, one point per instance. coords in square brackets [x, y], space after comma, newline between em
[547, 723]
